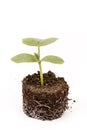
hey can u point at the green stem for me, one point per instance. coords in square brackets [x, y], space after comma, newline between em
[40, 68]
[41, 74]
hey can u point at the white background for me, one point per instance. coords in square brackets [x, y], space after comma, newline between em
[65, 19]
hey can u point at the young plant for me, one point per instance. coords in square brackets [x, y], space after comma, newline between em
[24, 57]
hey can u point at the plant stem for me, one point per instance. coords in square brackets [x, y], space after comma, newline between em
[40, 68]
[41, 74]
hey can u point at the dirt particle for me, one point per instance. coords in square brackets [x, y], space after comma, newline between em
[74, 100]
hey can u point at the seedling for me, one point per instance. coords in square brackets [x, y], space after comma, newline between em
[24, 57]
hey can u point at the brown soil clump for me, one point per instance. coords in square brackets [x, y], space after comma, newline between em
[46, 102]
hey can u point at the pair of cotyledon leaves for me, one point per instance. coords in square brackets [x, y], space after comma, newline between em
[24, 57]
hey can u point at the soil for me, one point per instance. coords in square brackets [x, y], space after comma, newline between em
[46, 102]
[74, 100]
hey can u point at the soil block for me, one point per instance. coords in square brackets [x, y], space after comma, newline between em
[46, 102]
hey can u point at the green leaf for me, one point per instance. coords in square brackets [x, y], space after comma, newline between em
[53, 59]
[20, 58]
[38, 42]
[48, 41]
[31, 41]
[36, 56]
